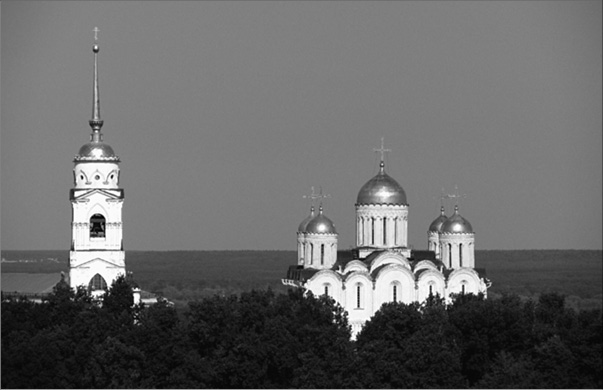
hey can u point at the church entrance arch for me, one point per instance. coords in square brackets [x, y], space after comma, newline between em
[97, 283]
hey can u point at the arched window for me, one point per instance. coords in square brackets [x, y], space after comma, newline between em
[463, 286]
[326, 287]
[385, 220]
[322, 254]
[395, 231]
[359, 291]
[372, 231]
[450, 255]
[312, 249]
[394, 293]
[97, 226]
[430, 286]
[460, 255]
[97, 283]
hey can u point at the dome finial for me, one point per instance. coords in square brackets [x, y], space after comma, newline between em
[382, 150]
[96, 122]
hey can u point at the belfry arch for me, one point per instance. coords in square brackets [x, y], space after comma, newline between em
[97, 226]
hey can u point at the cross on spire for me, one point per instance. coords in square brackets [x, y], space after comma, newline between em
[382, 150]
[96, 31]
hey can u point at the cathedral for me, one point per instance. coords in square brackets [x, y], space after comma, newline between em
[382, 267]
[96, 257]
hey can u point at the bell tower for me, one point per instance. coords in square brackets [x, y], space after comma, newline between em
[97, 255]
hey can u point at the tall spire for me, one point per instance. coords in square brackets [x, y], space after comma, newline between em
[96, 122]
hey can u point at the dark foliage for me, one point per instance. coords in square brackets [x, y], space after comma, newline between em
[262, 339]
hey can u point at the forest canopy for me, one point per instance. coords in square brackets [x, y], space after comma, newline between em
[263, 339]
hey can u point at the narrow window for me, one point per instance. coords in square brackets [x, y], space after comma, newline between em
[97, 226]
[358, 296]
[450, 256]
[327, 289]
[463, 287]
[460, 255]
[395, 231]
[312, 250]
[372, 231]
[362, 237]
[97, 283]
[322, 254]
[384, 231]
[394, 292]
[430, 290]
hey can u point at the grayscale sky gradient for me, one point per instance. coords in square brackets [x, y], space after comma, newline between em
[225, 113]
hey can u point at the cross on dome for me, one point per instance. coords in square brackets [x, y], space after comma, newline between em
[382, 150]
[456, 196]
[313, 195]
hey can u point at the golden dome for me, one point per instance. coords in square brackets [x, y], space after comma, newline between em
[302, 227]
[382, 189]
[321, 224]
[456, 224]
[96, 151]
[437, 224]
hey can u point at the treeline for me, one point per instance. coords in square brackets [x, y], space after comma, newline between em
[261, 339]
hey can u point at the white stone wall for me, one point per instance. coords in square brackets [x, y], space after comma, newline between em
[434, 243]
[84, 265]
[377, 281]
[96, 175]
[96, 192]
[457, 249]
[312, 250]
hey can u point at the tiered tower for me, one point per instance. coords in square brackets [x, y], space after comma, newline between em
[97, 253]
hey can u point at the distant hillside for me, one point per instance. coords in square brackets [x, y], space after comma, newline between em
[185, 275]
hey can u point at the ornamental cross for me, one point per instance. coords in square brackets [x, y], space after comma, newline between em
[313, 195]
[382, 150]
[96, 31]
[456, 195]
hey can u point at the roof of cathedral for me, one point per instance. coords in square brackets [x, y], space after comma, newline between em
[302, 226]
[382, 189]
[437, 224]
[320, 224]
[96, 149]
[456, 224]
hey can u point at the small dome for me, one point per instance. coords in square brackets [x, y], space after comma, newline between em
[437, 224]
[456, 224]
[96, 151]
[382, 189]
[302, 227]
[321, 225]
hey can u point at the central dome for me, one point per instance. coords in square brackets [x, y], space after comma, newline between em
[382, 189]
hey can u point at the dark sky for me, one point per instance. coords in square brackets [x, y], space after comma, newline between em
[226, 113]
